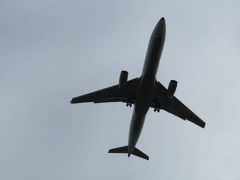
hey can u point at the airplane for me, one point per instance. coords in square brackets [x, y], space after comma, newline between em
[144, 92]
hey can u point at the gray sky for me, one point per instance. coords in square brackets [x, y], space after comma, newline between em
[54, 50]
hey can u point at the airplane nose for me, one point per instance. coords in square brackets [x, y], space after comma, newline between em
[160, 28]
[162, 19]
[161, 23]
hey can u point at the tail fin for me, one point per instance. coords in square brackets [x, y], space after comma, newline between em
[124, 150]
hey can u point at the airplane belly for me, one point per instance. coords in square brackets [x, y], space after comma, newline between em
[136, 126]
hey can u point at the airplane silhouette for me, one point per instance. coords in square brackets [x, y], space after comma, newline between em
[144, 92]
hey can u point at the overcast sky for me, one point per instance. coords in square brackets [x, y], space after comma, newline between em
[53, 50]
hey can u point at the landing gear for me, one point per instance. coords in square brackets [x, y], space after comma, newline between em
[129, 104]
[156, 110]
[130, 101]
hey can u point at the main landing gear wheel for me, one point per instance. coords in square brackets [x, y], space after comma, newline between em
[129, 104]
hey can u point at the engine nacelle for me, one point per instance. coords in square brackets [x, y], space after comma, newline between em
[123, 79]
[171, 88]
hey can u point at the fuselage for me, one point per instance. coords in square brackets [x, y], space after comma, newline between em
[147, 82]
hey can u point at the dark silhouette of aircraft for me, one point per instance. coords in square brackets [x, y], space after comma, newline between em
[144, 92]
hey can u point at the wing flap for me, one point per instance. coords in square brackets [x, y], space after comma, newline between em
[107, 93]
[174, 106]
[177, 108]
[110, 94]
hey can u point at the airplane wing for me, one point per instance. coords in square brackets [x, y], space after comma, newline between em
[173, 106]
[111, 94]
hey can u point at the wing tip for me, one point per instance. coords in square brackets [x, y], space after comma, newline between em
[73, 101]
[203, 125]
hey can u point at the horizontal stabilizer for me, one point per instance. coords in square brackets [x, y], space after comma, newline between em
[139, 153]
[124, 150]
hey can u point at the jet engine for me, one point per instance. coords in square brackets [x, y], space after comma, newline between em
[123, 79]
[171, 88]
